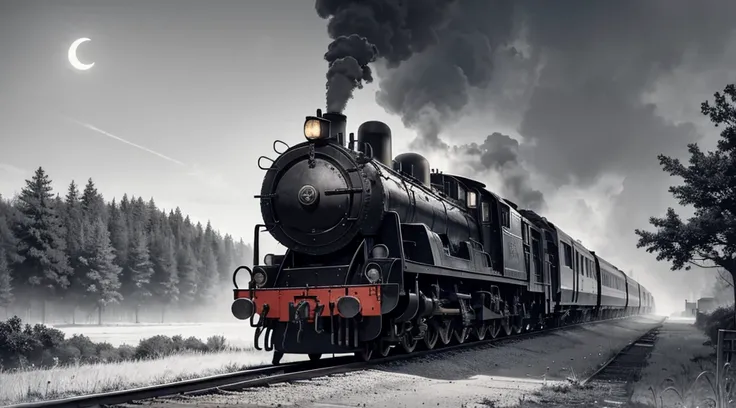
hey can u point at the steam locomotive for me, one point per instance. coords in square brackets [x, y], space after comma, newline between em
[388, 255]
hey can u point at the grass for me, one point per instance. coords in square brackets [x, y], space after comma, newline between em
[59, 382]
[679, 371]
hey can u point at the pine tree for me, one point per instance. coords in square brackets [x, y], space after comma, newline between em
[187, 274]
[103, 275]
[9, 216]
[153, 216]
[140, 271]
[118, 233]
[6, 279]
[42, 245]
[93, 204]
[74, 222]
[209, 279]
[176, 221]
[166, 277]
[225, 263]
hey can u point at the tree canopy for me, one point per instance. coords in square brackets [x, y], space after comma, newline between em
[708, 238]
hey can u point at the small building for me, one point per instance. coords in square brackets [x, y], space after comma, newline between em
[690, 309]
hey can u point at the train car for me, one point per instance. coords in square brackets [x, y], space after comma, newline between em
[647, 306]
[387, 254]
[613, 298]
[633, 289]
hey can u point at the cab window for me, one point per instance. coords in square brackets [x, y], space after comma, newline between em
[472, 199]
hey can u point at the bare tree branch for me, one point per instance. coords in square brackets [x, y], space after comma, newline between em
[724, 275]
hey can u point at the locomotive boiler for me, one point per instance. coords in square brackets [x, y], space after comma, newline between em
[319, 196]
[384, 253]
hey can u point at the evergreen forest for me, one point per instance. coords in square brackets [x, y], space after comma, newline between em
[75, 258]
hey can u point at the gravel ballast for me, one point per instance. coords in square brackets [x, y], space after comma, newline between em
[504, 374]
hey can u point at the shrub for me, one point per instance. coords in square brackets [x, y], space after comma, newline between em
[195, 344]
[126, 352]
[42, 346]
[721, 318]
[216, 343]
[156, 346]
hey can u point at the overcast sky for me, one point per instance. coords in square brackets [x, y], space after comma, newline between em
[208, 85]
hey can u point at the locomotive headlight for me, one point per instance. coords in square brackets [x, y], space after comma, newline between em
[268, 259]
[373, 273]
[316, 128]
[379, 251]
[259, 277]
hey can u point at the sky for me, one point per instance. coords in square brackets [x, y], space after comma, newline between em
[568, 105]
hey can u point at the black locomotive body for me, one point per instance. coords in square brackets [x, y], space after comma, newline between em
[385, 253]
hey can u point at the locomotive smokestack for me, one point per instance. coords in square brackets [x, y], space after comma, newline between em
[338, 123]
[378, 136]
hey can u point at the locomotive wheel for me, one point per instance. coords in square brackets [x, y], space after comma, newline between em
[494, 329]
[480, 332]
[461, 335]
[384, 348]
[365, 353]
[506, 324]
[518, 324]
[431, 336]
[445, 332]
[315, 356]
[408, 343]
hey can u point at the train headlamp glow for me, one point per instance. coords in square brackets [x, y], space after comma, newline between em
[268, 259]
[316, 128]
[379, 251]
[373, 273]
[259, 278]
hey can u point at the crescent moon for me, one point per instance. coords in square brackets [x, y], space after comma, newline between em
[76, 63]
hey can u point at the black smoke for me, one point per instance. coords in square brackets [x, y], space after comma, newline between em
[500, 154]
[573, 73]
[393, 30]
[431, 89]
[586, 66]
[348, 59]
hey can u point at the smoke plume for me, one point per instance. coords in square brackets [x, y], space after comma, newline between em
[500, 153]
[348, 59]
[393, 30]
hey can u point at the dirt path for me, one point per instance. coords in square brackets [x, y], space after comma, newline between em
[680, 356]
[504, 374]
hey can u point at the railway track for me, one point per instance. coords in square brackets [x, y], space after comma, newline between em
[265, 375]
[624, 368]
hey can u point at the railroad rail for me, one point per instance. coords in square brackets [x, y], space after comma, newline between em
[265, 375]
[624, 367]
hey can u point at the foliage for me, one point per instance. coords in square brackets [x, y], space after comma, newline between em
[6, 281]
[23, 346]
[721, 318]
[40, 233]
[91, 253]
[708, 239]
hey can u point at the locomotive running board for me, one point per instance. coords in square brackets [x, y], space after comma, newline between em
[425, 269]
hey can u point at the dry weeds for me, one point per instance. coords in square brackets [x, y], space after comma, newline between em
[59, 382]
[680, 370]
